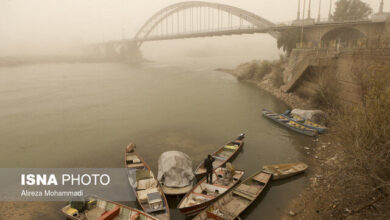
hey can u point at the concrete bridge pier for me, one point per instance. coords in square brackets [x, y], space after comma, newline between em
[129, 52]
[123, 51]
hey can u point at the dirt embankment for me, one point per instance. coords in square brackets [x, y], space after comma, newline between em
[268, 76]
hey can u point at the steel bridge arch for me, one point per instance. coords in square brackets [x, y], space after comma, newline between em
[164, 13]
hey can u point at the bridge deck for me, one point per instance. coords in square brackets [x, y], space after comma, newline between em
[205, 34]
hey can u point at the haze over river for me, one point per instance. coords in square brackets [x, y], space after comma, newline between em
[84, 115]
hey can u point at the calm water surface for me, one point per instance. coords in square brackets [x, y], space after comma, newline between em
[83, 115]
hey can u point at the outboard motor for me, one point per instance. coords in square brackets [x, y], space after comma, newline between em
[287, 113]
[78, 204]
[241, 137]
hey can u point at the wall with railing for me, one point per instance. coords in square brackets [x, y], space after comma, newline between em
[381, 42]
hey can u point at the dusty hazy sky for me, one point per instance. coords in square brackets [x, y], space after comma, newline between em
[30, 24]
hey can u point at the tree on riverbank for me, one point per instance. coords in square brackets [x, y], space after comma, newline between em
[288, 40]
[351, 10]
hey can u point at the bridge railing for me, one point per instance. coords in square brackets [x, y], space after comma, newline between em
[343, 20]
[382, 42]
[211, 30]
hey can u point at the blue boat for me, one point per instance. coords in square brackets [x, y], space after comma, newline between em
[305, 122]
[287, 122]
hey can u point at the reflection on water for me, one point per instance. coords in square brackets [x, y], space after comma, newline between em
[83, 115]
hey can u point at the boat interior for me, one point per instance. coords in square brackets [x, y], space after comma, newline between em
[306, 121]
[236, 201]
[278, 117]
[284, 169]
[103, 210]
[204, 191]
[146, 186]
[221, 156]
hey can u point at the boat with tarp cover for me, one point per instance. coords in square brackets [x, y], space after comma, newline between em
[175, 173]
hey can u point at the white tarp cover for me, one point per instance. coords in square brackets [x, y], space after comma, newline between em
[317, 116]
[175, 169]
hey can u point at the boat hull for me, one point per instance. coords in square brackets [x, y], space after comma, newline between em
[194, 209]
[234, 202]
[161, 213]
[200, 171]
[320, 130]
[176, 190]
[273, 116]
[83, 215]
[282, 171]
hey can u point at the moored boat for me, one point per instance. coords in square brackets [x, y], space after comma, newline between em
[204, 194]
[147, 189]
[95, 208]
[175, 173]
[285, 121]
[306, 122]
[281, 171]
[234, 202]
[175, 191]
[223, 155]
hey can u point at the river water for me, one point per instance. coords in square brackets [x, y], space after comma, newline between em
[83, 115]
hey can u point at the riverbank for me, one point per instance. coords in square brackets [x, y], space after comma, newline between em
[267, 84]
[347, 178]
[61, 59]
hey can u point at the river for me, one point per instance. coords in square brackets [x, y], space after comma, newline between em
[83, 115]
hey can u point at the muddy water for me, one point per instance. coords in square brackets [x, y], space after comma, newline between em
[83, 115]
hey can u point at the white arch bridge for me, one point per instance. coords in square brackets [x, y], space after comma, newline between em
[191, 20]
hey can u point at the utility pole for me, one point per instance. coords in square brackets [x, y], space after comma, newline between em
[308, 10]
[303, 21]
[299, 10]
[319, 12]
[330, 11]
[381, 7]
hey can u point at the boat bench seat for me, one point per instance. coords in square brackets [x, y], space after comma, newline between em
[217, 185]
[135, 165]
[203, 195]
[155, 202]
[143, 194]
[219, 158]
[262, 178]
[109, 215]
[132, 159]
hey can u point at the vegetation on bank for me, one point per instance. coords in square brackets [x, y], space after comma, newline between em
[356, 184]
[351, 164]
[257, 70]
[351, 9]
[288, 39]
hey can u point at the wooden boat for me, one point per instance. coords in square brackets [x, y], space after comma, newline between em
[223, 155]
[179, 172]
[285, 121]
[95, 208]
[307, 123]
[204, 194]
[177, 190]
[281, 171]
[147, 189]
[234, 202]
